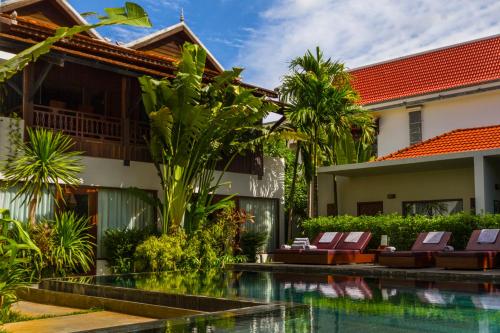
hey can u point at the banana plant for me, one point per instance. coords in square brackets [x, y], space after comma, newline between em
[194, 126]
[131, 14]
[13, 241]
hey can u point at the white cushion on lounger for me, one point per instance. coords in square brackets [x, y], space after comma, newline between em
[327, 237]
[488, 236]
[298, 246]
[433, 237]
[303, 239]
[311, 247]
[285, 247]
[353, 237]
[328, 291]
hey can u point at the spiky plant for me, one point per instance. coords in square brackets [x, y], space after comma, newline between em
[45, 162]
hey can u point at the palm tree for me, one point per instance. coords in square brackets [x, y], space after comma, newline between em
[323, 108]
[42, 164]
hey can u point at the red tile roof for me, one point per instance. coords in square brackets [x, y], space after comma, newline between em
[460, 140]
[456, 66]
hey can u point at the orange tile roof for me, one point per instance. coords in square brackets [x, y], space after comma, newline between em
[456, 66]
[460, 140]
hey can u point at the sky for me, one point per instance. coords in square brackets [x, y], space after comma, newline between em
[262, 36]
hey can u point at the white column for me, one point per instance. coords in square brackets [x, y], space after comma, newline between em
[484, 184]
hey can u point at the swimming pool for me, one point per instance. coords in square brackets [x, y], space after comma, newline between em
[332, 303]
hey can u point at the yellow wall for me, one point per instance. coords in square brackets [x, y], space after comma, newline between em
[416, 186]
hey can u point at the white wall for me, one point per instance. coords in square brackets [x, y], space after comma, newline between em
[438, 117]
[416, 186]
[112, 173]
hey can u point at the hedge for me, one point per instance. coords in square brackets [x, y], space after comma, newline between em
[403, 231]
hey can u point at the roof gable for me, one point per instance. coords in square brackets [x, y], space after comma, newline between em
[456, 66]
[460, 140]
[168, 41]
[54, 12]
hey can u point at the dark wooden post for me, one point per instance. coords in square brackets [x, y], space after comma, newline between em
[27, 107]
[125, 119]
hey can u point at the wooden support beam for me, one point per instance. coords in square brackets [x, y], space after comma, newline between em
[27, 106]
[125, 119]
[38, 83]
[15, 87]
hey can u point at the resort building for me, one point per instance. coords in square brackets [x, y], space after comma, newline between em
[87, 87]
[438, 136]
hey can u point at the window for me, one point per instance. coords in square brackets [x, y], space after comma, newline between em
[433, 207]
[265, 212]
[415, 127]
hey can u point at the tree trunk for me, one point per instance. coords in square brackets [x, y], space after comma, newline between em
[32, 211]
[292, 192]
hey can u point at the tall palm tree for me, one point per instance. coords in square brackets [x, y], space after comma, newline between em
[323, 108]
[42, 164]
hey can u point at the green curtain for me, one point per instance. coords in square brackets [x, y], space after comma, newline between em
[120, 209]
[19, 208]
[265, 212]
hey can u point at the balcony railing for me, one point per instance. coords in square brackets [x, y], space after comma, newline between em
[96, 135]
[101, 136]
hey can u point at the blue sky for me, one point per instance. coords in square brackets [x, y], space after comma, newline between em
[264, 35]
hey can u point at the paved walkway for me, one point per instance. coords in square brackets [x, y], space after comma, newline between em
[75, 323]
[36, 309]
[376, 271]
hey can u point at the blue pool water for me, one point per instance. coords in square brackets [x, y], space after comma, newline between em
[331, 303]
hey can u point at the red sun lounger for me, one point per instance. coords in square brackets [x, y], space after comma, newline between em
[481, 252]
[422, 253]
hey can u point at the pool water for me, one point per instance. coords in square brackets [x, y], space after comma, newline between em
[332, 303]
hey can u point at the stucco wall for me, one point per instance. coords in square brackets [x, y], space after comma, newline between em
[112, 173]
[424, 185]
[438, 117]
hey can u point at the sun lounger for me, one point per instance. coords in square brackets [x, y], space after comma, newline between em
[481, 252]
[348, 249]
[314, 254]
[422, 253]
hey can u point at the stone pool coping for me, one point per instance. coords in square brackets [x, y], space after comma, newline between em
[375, 271]
[197, 303]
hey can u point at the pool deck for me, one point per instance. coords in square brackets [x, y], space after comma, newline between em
[376, 271]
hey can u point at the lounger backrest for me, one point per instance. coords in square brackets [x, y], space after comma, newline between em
[435, 241]
[327, 241]
[477, 243]
[354, 241]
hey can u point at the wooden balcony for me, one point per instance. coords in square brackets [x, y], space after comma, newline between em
[100, 136]
[96, 135]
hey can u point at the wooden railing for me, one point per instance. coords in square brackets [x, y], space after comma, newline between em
[95, 135]
[101, 136]
[77, 124]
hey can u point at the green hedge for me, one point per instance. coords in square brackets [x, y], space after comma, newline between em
[402, 231]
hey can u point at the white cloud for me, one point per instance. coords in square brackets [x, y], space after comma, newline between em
[360, 32]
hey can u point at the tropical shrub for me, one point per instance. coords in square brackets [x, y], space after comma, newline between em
[14, 240]
[162, 253]
[120, 246]
[68, 247]
[252, 243]
[212, 245]
[402, 231]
